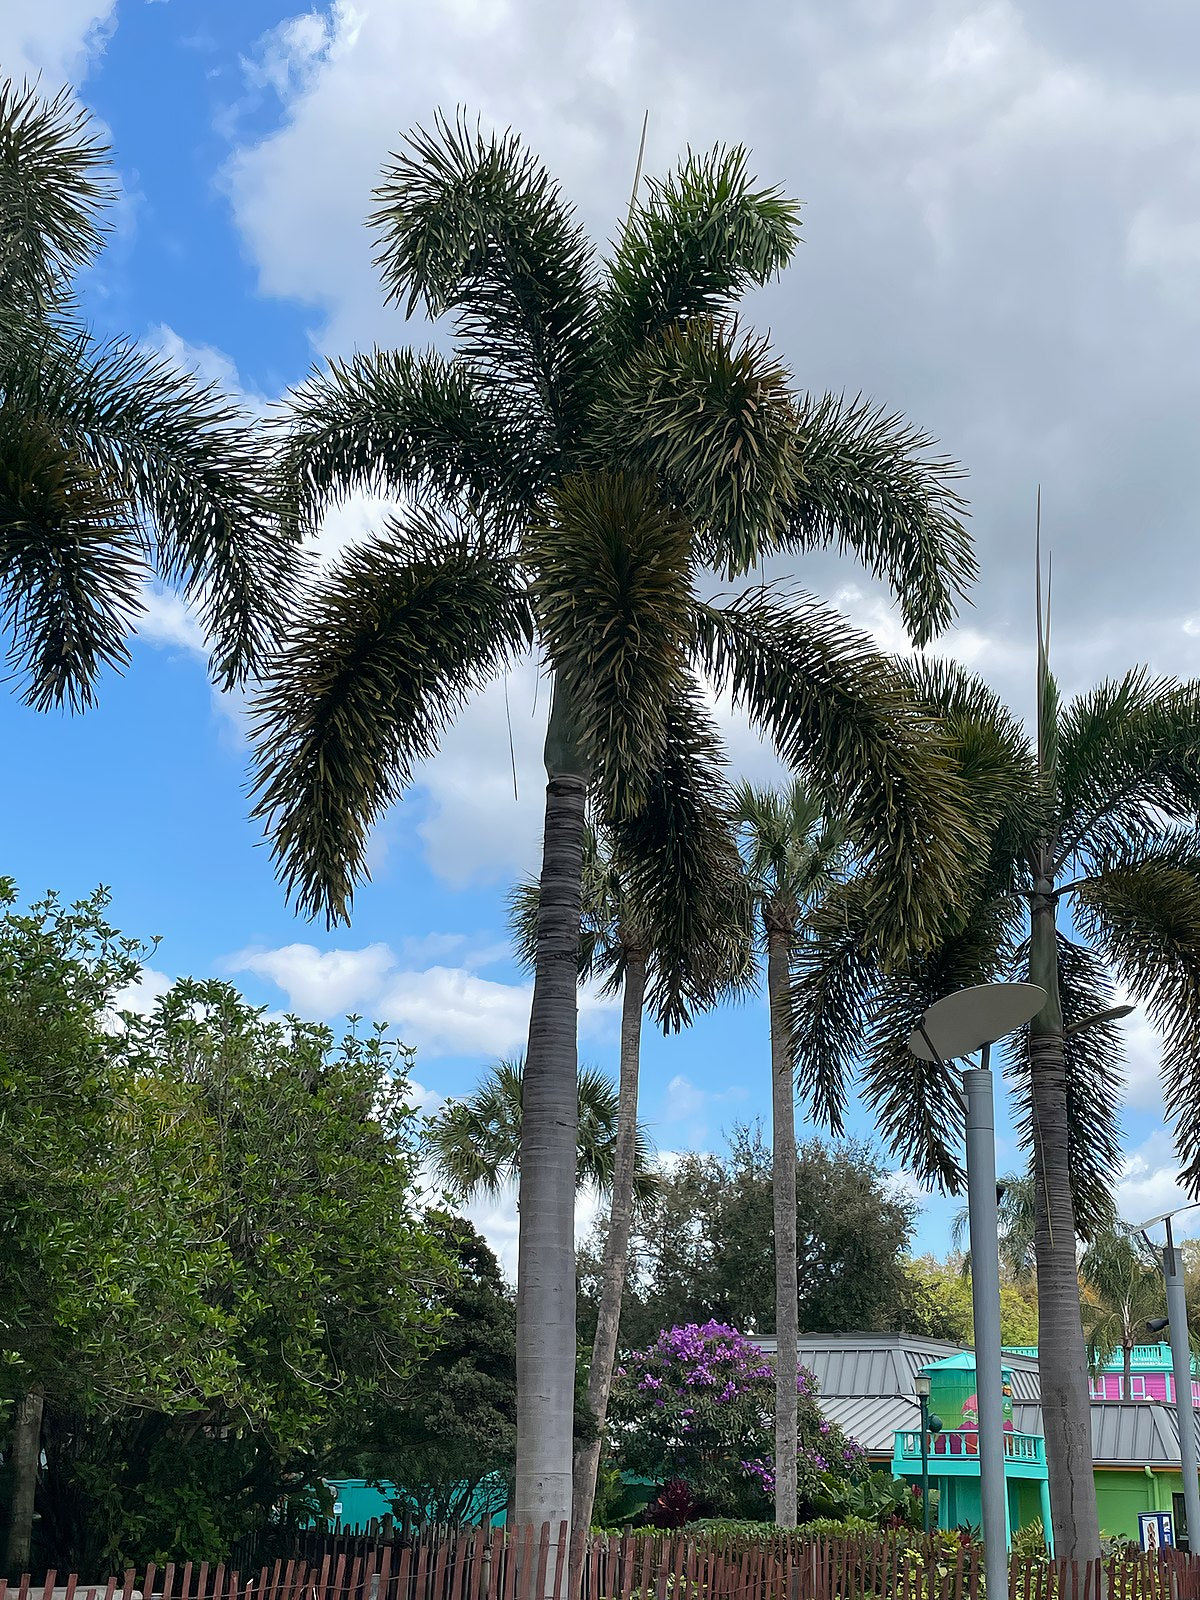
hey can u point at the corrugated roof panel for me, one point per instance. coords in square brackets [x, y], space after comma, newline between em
[1124, 1432]
[871, 1419]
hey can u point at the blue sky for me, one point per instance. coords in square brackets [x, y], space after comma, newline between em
[977, 256]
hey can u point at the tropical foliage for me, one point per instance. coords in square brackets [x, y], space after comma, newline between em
[114, 466]
[1099, 814]
[602, 435]
[695, 1408]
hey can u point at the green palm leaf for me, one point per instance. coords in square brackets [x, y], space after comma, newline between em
[870, 484]
[701, 238]
[475, 227]
[54, 184]
[381, 656]
[396, 423]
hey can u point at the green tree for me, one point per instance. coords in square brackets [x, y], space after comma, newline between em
[1099, 813]
[601, 435]
[614, 948]
[113, 465]
[793, 851]
[1016, 1222]
[475, 1144]
[938, 1305]
[701, 1250]
[446, 1452]
[1123, 1287]
[231, 1264]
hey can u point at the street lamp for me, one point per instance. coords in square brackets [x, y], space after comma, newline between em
[955, 1027]
[1181, 1366]
[928, 1425]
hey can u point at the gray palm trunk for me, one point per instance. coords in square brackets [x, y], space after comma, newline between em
[1062, 1353]
[550, 1109]
[26, 1450]
[616, 1245]
[1127, 1368]
[783, 1192]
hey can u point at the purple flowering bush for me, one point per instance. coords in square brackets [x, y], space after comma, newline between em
[698, 1407]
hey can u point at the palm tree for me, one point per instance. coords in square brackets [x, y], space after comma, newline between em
[475, 1144]
[1017, 1220]
[613, 947]
[113, 465]
[1122, 1288]
[601, 437]
[1100, 812]
[793, 850]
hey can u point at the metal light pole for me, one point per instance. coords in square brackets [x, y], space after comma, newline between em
[970, 1020]
[1181, 1366]
[929, 1425]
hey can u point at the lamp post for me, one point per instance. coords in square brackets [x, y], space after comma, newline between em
[1181, 1366]
[956, 1027]
[928, 1425]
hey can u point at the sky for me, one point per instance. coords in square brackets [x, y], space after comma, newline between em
[1001, 240]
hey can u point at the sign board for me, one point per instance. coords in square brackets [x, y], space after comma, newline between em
[1156, 1530]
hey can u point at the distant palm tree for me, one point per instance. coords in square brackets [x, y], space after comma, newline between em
[1101, 811]
[601, 436]
[475, 1143]
[1122, 1288]
[616, 949]
[793, 848]
[1017, 1220]
[114, 466]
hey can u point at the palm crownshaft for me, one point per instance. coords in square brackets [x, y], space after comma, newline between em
[602, 436]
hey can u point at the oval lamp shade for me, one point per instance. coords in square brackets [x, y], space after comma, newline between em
[965, 1021]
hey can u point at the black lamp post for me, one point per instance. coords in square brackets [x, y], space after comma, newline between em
[928, 1425]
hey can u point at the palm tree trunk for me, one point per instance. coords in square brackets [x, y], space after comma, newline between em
[783, 1196]
[26, 1450]
[550, 1110]
[1127, 1372]
[1062, 1355]
[616, 1245]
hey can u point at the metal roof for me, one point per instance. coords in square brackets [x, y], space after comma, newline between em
[865, 1364]
[1138, 1433]
[873, 1420]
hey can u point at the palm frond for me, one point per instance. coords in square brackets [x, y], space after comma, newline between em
[476, 227]
[610, 574]
[1092, 1061]
[873, 486]
[709, 415]
[474, 1144]
[54, 183]
[837, 710]
[702, 237]
[381, 655]
[1145, 915]
[679, 864]
[602, 910]
[1128, 754]
[832, 998]
[405, 425]
[188, 466]
[1016, 1217]
[793, 846]
[1121, 1287]
[71, 566]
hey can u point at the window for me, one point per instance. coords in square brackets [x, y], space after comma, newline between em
[1098, 1388]
[1137, 1388]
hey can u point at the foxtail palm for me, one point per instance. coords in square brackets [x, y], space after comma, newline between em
[1100, 812]
[475, 1143]
[793, 851]
[1122, 1289]
[614, 949]
[601, 437]
[113, 465]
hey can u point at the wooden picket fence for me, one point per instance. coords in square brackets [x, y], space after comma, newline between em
[545, 1564]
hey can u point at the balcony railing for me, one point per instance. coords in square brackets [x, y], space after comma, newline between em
[963, 1443]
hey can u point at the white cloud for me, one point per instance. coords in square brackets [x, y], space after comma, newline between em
[166, 618]
[208, 365]
[142, 994]
[320, 983]
[499, 1222]
[440, 1010]
[59, 39]
[687, 1110]
[1149, 1184]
